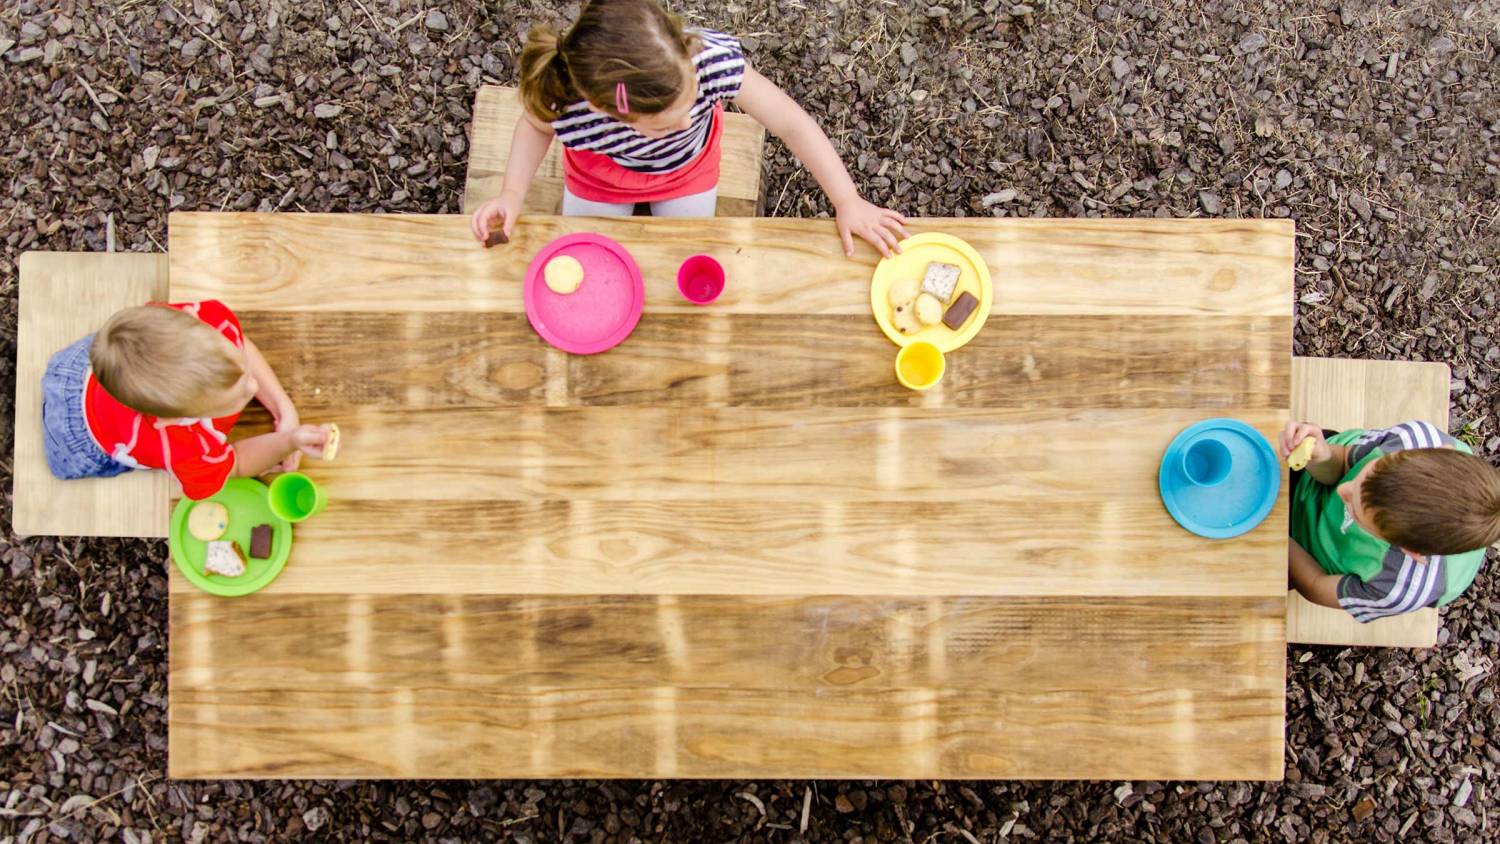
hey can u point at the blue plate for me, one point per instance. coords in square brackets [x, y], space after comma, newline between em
[1239, 502]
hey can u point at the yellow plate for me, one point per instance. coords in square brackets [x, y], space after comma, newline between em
[916, 253]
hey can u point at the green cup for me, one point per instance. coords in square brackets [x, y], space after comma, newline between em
[295, 497]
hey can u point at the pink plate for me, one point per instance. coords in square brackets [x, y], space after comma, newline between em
[602, 312]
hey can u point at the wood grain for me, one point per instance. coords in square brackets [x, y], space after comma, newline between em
[752, 454]
[731, 547]
[353, 262]
[704, 359]
[1093, 546]
[384, 732]
[1339, 393]
[712, 687]
[496, 110]
[63, 297]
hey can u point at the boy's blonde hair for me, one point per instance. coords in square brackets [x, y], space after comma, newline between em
[1434, 500]
[164, 362]
[634, 43]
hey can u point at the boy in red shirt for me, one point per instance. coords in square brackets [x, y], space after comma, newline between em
[159, 387]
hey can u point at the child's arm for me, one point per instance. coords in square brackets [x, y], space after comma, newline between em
[256, 456]
[1309, 579]
[273, 397]
[528, 146]
[760, 98]
[1328, 463]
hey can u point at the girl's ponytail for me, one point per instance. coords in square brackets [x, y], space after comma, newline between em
[634, 43]
[545, 86]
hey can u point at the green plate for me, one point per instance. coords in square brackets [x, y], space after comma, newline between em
[245, 498]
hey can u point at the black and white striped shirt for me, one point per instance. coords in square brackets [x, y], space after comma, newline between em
[1402, 584]
[721, 69]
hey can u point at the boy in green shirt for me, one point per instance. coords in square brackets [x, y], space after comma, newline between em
[1389, 521]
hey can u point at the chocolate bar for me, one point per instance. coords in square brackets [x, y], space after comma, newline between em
[260, 542]
[497, 237]
[958, 313]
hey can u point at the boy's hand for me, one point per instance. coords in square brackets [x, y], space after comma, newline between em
[498, 213]
[879, 226]
[1293, 435]
[286, 420]
[309, 440]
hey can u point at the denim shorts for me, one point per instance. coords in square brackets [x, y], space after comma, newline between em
[71, 449]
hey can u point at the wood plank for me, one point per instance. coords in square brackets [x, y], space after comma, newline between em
[1087, 545]
[712, 687]
[752, 454]
[430, 732]
[1341, 393]
[353, 262]
[612, 641]
[63, 297]
[341, 360]
[497, 108]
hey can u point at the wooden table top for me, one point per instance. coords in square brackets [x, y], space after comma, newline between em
[733, 546]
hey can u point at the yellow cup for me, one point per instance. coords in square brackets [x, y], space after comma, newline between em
[919, 365]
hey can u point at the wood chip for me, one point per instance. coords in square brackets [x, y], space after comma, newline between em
[1464, 790]
[745, 795]
[79, 801]
[806, 808]
[1411, 820]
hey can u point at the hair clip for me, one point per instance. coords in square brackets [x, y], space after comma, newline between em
[622, 100]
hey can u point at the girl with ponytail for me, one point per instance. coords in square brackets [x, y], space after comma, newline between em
[637, 102]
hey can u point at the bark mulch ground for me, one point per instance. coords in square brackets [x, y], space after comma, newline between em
[1373, 124]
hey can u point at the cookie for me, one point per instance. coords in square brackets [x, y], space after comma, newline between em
[331, 445]
[563, 274]
[208, 520]
[941, 280]
[929, 309]
[904, 318]
[903, 291]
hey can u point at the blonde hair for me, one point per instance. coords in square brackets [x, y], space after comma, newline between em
[1434, 500]
[164, 362]
[634, 43]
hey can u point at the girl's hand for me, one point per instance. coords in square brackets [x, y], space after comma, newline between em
[500, 212]
[882, 227]
[1293, 435]
[286, 420]
[309, 440]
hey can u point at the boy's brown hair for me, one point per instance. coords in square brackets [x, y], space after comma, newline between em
[1434, 500]
[163, 362]
[634, 42]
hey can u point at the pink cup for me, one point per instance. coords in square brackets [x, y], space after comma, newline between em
[700, 279]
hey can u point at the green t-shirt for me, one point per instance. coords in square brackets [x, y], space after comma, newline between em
[1378, 580]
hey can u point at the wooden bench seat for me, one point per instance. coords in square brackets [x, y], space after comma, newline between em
[497, 108]
[64, 296]
[1339, 393]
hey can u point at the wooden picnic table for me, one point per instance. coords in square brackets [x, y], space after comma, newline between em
[733, 546]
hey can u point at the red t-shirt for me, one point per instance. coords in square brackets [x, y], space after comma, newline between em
[195, 451]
